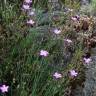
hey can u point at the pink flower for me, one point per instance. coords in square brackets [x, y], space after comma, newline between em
[73, 73]
[57, 31]
[87, 60]
[44, 53]
[74, 18]
[31, 22]
[28, 1]
[57, 75]
[68, 40]
[26, 7]
[4, 88]
[78, 17]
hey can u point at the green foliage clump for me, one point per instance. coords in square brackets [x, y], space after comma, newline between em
[21, 66]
